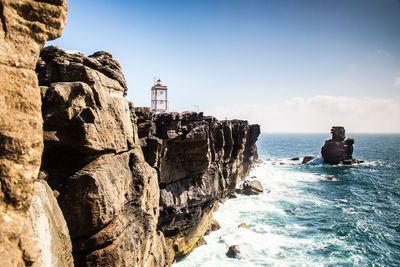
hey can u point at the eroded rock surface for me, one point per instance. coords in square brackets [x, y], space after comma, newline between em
[337, 149]
[50, 228]
[249, 188]
[108, 193]
[24, 27]
[199, 160]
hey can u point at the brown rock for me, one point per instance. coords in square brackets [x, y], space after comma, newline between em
[233, 252]
[337, 150]
[243, 225]
[108, 193]
[307, 159]
[24, 27]
[214, 226]
[250, 188]
[50, 228]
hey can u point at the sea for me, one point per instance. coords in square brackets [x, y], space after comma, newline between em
[314, 214]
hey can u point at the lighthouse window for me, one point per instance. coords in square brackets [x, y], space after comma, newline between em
[160, 92]
[160, 102]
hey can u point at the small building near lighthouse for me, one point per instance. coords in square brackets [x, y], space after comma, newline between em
[159, 98]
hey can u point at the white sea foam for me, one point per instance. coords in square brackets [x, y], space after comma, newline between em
[273, 238]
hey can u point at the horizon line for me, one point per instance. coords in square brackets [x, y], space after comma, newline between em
[329, 133]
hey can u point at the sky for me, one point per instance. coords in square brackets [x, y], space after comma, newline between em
[291, 66]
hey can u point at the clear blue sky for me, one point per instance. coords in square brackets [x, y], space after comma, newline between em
[290, 65]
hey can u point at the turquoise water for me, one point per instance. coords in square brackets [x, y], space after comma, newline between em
[315, 215]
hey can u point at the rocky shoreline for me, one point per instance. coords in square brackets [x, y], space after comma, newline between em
[116, 185]
[135, 188]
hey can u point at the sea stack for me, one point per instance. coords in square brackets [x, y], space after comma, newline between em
[338, 150]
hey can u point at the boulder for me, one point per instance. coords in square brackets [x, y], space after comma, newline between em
[233, 252]
[337, 149]
[250, 188]
[307, 159]
[243, 225]
[24, 28]
[214, 226]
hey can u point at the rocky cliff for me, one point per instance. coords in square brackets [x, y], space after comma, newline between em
[124, 177]
[24, 28]
[199, 160]
[108, 193]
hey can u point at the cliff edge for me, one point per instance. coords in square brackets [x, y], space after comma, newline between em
[199, 160]
[125, 177]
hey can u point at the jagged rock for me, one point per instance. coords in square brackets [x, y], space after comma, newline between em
[296, 158]
[201, 242]
[82, 107]
[250, 188]
[199, 160]
[108, 193]
[243, 225]
[214, 226]
[307, 159]
[337, 149]
[233, 252]
[232, 195]
[24, 27]
[65, 66]
[50, 228]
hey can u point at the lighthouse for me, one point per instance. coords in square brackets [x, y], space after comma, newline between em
[159, 98]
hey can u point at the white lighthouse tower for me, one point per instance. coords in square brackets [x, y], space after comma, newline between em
[159, 98]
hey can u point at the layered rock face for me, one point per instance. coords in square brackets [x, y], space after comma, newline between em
[199, 160]
[24, 27]
[337, 149]
[108, 193]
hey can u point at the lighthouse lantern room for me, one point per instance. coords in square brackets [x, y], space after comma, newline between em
[159, 98]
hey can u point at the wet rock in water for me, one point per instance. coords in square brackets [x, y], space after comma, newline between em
[214, 226]
[307, 159]
[250, 188]
[296, 158]
[233, 252]
[338, 150]
[232, 195]
[201, 242]
[243, 225]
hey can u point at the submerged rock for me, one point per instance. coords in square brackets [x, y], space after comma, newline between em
[243, 225]
[307, 159]
[233, 252]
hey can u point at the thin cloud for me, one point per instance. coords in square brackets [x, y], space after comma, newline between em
[319, 113]
[383, 53]
[397, 82]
